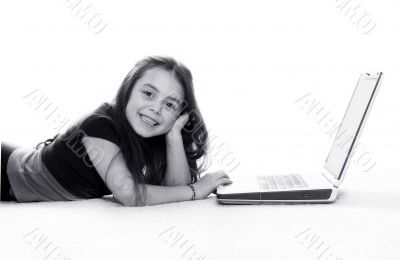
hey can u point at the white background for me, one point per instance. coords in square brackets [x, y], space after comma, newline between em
[250, 60]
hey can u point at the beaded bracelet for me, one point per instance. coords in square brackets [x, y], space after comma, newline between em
[194, 192]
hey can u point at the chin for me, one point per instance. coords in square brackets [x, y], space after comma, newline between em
[145, 133]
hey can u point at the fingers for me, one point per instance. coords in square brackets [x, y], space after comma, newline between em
[221, 181]
[215, 176]
[221, 174]
[185, 117]
[224, 181]
[182, 120]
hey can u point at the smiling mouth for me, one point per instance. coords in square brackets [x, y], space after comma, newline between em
[147, 120]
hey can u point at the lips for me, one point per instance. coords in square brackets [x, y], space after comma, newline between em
[148, 120]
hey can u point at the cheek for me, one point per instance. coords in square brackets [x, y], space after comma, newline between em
[130, 112]
[170, 121]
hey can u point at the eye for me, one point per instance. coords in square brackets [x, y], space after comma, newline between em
[148, 93]
[170, 105]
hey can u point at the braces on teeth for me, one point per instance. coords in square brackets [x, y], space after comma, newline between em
[148, 120]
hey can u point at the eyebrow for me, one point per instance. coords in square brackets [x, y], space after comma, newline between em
[156, 90]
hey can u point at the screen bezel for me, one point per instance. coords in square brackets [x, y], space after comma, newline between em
[335, 178]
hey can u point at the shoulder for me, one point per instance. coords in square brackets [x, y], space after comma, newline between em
[93, 120]
[100, 152]
[101, 126]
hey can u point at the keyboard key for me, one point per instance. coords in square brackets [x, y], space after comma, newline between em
[271, 182]
[279, 181]
[284, 182]
[288, 182]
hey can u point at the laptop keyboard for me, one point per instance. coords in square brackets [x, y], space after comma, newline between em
[282, 182]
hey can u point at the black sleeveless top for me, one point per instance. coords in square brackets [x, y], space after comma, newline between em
[67, 160]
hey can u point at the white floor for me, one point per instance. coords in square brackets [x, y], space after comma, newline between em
[362, 224]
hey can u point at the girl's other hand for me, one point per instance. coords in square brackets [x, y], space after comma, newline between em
[179, 124]
[209, 183]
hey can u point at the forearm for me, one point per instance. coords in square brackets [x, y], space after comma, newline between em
[177, 172]
[160, 194]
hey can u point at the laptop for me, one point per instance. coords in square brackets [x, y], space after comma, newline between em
[321, 188]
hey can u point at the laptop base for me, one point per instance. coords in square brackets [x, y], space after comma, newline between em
[280, 197]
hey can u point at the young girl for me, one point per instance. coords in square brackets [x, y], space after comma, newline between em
[143, 147]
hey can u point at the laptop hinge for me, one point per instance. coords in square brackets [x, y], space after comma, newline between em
[329, 177]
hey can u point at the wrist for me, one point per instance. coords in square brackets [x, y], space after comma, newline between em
[173, 136]
[193, 191]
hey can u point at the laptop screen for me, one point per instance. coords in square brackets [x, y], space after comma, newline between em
[345, 143]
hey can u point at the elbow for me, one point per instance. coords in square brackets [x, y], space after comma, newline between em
[131, 205]
[129, 201]
[126, 203]
[133, 202]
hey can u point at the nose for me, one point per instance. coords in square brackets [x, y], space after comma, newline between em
[156, 108]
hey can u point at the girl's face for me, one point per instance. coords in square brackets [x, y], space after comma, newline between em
[155, 103]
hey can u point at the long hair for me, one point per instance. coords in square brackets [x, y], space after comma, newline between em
[149, 154]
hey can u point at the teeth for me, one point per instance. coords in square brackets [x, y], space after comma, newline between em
[147, 120]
